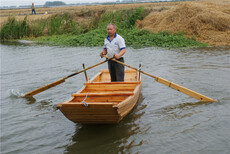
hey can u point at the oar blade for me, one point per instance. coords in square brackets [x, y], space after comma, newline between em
[184, 90]
[34, 92]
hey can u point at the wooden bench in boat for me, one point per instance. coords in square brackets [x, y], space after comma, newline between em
[114, 83]
[104, 94]
[101, 97]
[108, 87]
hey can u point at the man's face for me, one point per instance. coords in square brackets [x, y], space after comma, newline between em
[111, 30]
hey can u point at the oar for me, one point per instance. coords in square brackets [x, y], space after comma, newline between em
[172, 85]
[34, 92]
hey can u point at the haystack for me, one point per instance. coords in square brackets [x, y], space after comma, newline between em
[208, 22]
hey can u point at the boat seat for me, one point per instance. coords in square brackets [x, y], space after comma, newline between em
[104, 94]
[111, 83]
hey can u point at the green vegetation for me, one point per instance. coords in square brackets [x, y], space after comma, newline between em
[133, 37]
[14, 29]
[64, 30]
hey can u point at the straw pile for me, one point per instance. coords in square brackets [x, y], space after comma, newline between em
[208, 22]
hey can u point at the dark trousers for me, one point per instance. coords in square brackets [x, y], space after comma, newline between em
[116, 70]
[33, 11]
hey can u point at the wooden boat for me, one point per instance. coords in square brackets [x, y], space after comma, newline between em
[102, 101]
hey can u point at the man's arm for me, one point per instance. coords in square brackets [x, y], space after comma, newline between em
[121, 53]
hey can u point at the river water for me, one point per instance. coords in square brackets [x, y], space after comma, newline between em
[163, 121]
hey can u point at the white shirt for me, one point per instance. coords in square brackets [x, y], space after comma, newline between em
[114, 46]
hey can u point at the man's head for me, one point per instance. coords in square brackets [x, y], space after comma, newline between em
[111, 29]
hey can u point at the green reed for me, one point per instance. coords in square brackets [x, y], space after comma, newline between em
[14, 29]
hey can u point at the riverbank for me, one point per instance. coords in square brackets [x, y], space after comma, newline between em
[168, 24]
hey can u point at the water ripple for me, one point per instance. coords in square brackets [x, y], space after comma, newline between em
[163, 121]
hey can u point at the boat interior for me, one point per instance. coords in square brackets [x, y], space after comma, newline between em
[101, 89]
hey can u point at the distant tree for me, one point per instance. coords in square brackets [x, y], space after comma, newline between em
[54, 3]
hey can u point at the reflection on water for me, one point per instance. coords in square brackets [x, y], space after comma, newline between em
[180, 111]
[18, 43]
[163, 121]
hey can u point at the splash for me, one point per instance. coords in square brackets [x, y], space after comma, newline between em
[15, 93]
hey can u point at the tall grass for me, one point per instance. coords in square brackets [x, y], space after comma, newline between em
[14, 29]
[37, 28]
[122, 18]
[133, 17]
[60, 24]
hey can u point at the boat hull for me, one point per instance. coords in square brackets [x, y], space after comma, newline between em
[101, 101]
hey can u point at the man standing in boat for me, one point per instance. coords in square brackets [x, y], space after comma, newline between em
[114, 46]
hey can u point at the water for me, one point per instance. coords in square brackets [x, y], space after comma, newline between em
[163, 121]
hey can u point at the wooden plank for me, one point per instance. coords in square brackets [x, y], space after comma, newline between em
[130, 75]
[96, 77]
[104, 94]
[104, 71]
[80, 90]
[106, 90]
[96, 121]
[78, 111]
[93, 105]
[93, 117]
[110, 83]
[96, 90]
[124, 110]
[104, 98]
[130, 71]
[135, 96]
[110, 87]
[105, 77]
[107, 87]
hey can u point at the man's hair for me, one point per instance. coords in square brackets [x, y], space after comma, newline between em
[114, 26]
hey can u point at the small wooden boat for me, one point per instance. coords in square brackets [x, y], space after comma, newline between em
[102, 101]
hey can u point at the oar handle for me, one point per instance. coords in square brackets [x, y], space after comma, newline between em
[172, 85]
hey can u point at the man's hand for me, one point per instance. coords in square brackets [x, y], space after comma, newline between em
[103, 53]
[122, 52]
[116, 56]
